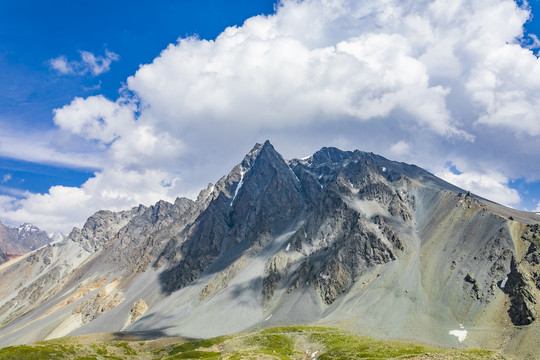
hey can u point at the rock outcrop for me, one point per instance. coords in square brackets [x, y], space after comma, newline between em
[137, 310]
[522, 309]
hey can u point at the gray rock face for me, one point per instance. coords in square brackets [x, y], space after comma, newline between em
[100, 228]
[340, 237]
[265, 198]
[522, 309]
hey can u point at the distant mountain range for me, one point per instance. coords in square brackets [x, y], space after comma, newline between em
[341, 238]
[16, 241]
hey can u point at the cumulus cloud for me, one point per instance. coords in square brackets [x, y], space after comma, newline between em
[89, 63]
[6, 178]
[429, 82]
[260, 76]
[95, 118]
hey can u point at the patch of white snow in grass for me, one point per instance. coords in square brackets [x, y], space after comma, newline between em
[460, 334]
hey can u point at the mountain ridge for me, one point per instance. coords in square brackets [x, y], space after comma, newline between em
[17, 241]
[342, 237]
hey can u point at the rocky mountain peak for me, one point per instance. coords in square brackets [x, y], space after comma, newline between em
[340, 236]
[101, 227]
[250, 157]
[261, 151]
[19, 240]
[330, 155]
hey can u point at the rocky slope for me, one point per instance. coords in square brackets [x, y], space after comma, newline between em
[347, 238]
[21, 240]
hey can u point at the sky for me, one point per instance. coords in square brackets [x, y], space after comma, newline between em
[107, 105]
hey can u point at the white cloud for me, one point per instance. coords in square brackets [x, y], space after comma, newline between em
[534, 42]
[240, 77]
[492, 186]
[6, 178]
[100, 64]
[50, 148]
[61, 65]
[63, 207]
[89, 63]
[400, 148]
[427, 81]
[95, 118]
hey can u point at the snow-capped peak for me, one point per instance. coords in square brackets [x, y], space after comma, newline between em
[27, 228]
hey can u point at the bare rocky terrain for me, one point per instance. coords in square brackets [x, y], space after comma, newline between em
[348, 239]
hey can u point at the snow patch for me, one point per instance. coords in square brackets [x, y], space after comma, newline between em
[383, 169]
[460, 334]
[353, 189]
[268, 318]
[27, 228]
[210, 192]
[239, 186]
[288, 247]
[55, 237]
[296, 177]
[503, 283]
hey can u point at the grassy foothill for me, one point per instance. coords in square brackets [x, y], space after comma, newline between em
[288, 342]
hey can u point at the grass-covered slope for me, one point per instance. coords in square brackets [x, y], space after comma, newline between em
[292, 342]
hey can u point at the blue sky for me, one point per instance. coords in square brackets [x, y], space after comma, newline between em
[34, 32]
[84, 128]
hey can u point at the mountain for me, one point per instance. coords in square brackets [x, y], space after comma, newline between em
[26, 238]
[341, 238]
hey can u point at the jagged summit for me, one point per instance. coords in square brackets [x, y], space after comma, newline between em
[331, 155]
[343, 237]
[16, 241]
